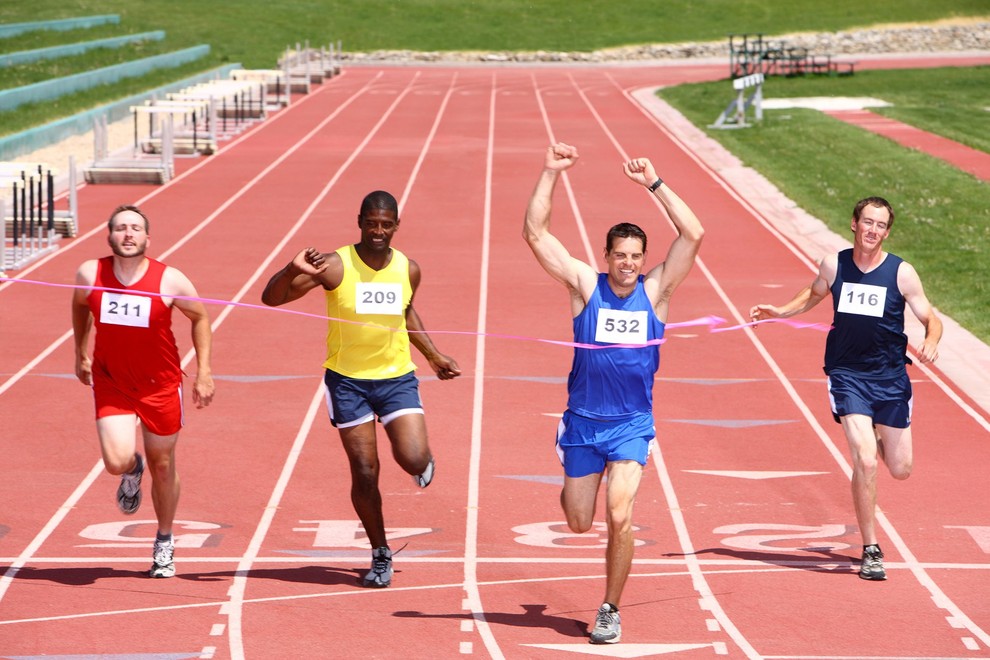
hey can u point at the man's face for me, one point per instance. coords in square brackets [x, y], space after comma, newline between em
[128, 236]
[377, 228]
[873, 226]
[625, 261]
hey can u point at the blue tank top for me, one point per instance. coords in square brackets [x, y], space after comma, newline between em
[867, 335]
[614, 383]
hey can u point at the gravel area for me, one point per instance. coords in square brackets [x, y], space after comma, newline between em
[962, 35]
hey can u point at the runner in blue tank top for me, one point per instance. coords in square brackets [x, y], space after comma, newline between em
[608, 424]
[865, 358]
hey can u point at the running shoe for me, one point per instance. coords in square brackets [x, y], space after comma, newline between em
[129, 491]
[607, 628]
[423, 480]
[162, 565]
[380, 575]
[872, 566]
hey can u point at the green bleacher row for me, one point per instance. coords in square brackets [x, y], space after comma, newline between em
[17, 144]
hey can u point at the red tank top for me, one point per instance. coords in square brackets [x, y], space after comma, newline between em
[135, 346]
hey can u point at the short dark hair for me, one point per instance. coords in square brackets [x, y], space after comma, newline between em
[379, 199]
[624, 230]
[873, 201]
[128, 207]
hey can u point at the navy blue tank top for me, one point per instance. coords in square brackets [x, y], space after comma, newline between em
[867, 335]
[614, 383]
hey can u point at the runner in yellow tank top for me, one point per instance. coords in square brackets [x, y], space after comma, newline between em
[372, 343]
[369, 373]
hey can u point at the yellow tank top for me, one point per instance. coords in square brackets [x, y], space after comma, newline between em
[371, 341]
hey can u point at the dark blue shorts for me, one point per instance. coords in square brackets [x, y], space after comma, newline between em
[353, 401]
[585, 445]
[886, 401]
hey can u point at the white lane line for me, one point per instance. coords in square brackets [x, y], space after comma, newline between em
[472, 599]
[938, 596]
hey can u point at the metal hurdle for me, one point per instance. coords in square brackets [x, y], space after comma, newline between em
[34, 227]
[274, 83]
[138, 169]
[237, 103]
[195, 136]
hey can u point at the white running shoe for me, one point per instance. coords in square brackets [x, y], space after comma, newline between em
[423, 480]
[162, 565]
[607, 628]
[380, 575]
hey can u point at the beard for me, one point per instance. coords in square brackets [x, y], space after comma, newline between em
[118, 251]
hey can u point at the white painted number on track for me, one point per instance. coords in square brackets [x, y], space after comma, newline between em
[350, 533]
[124, 534]
[558, 535]
[816, 537]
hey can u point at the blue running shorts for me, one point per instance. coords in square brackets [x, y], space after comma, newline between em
[887, 401]
[585, 446]
[354, 401]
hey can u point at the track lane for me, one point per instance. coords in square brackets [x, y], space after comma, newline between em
[532, 597]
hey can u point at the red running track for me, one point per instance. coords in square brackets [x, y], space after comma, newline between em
[747, 540]
[965, 158]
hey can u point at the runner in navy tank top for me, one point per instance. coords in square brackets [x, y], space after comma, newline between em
[865, 357]
[608, 424]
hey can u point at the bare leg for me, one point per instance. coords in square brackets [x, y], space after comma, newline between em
[360, 444]
[160, 454]
[863, 451]
[118, 442]
[410, 447]
[623, 482]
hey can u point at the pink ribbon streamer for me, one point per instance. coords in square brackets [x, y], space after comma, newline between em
[712, 322]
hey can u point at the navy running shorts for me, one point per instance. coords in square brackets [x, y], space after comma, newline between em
[887, 401]
[354, 401]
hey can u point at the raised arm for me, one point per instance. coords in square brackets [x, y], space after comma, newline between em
[805, 299]
[443, 365]
[175, 283]
[669, 274]
[576, 275]
[909, 283]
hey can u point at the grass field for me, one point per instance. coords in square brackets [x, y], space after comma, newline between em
[943, 223]
[943, 214]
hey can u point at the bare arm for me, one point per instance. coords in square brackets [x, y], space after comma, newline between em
[307, 270]
[668, 275]
[914, 294]
[805, 299]
[175, 283]
[576, 275]
[444, 366]
[82, 322]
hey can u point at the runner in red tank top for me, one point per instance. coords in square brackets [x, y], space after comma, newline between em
[135, 370]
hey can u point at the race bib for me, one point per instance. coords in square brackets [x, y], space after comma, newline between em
[125, 309]
[618, 326]
[862, 299]
[378, 298]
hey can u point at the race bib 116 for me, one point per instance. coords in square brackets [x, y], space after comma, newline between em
[862, 299]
